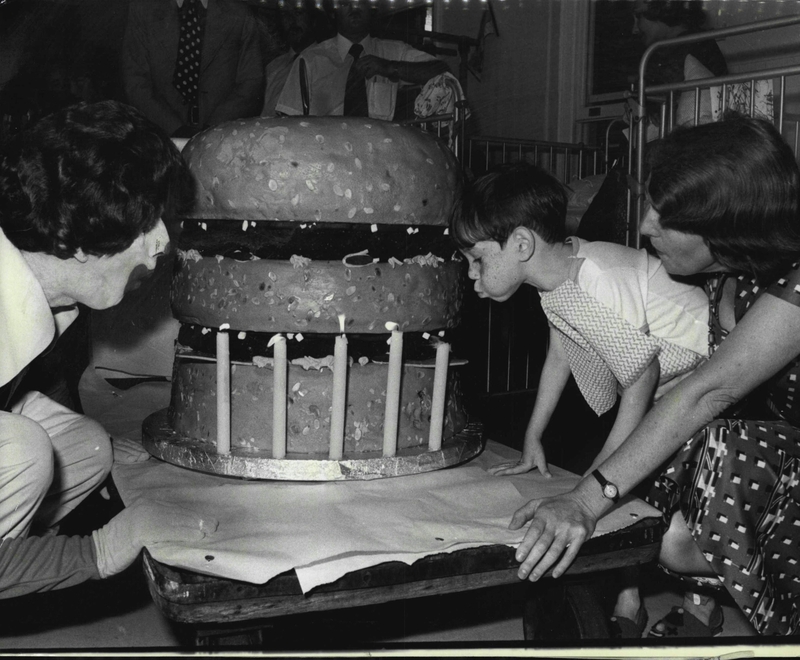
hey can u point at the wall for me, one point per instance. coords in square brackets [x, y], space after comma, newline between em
[517, 94]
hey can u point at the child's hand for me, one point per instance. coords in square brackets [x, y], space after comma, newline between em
[511, 467]
[525, 464]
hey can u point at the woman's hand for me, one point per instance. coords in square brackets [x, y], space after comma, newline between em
[559, 526]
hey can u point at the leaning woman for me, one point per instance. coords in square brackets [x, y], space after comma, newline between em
[725, 442]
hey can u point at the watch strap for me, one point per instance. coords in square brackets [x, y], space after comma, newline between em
[605, 482]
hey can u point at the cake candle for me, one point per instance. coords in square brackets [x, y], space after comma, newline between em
[392, 412]
[339, 396]
[437, 399]
[279, 383]
[223, 393]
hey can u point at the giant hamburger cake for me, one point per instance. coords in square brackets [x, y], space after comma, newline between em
[304, 230]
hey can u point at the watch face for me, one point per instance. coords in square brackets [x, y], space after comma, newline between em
[610, 491]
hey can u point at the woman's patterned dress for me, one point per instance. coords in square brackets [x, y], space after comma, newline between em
[737, 483]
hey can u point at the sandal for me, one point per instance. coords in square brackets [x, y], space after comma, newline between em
[622, 627]
[680, 623]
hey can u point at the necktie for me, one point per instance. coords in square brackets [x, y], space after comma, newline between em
[187, 66]
[355, 94]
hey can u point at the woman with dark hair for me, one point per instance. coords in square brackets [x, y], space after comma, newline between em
[724, 202]
[91, 178]
[736, 187]
[82, 197]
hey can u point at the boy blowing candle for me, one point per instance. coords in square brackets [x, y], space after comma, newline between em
[618, 322]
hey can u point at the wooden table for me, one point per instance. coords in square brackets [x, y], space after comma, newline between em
[223, 611]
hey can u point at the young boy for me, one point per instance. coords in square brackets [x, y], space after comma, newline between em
[618, 322]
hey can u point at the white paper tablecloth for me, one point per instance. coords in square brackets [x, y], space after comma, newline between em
[324, 530]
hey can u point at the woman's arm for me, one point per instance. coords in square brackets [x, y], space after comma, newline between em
[553, 380]
[633, 405]
[766, 340]
[43, 563]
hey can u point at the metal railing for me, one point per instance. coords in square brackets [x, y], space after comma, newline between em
[565, 160]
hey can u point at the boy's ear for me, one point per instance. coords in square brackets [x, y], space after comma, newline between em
[525, 242]
[80, 256]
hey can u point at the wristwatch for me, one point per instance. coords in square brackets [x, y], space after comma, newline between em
[610, 491]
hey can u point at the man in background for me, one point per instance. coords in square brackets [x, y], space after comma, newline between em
[296, 27]
[353, 73]
[190, 64]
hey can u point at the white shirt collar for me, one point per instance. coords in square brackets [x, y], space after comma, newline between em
[204, 3]
[343, 45]
[27, 324]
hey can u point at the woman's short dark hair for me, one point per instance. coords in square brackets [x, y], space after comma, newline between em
[515, 195]
[688, 13]
[92, 177]
[736, 184]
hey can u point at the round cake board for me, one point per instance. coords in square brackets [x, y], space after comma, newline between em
[161, 441]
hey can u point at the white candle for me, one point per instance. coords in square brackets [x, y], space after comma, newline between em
[223, 393]
[437, 399]
[339, 395]
[392, 412]
[279, 366]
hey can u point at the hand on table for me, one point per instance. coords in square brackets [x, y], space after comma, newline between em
[559, 526]
[146, 523]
